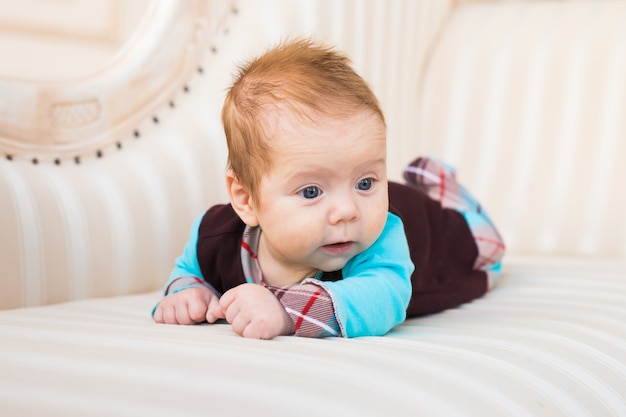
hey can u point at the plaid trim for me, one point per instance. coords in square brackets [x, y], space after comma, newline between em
[310, 307]
[249, 260]
[438, 180]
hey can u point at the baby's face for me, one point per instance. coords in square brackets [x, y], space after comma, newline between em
[325, 199]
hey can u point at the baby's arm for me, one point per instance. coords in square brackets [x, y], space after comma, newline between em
[308, 307]
[188, 298]
[375, 290]
[251, 309]
[371, 298]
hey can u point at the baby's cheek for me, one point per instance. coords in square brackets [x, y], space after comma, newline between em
[378, 226]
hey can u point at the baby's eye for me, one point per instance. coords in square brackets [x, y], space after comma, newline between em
[365, 184]
[310, 192]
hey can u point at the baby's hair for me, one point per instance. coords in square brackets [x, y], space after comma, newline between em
[297, 78]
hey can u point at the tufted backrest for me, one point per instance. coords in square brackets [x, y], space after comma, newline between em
[528, 100]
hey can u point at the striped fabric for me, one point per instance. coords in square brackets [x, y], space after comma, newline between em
[547, 341]
[112, 221]
[110, 218]
[527, 100]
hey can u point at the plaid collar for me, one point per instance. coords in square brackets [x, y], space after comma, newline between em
[249, 259]
[249, 256]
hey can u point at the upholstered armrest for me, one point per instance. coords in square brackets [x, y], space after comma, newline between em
[101, 178]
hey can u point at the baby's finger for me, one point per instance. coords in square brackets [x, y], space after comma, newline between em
[229, 305]
[253, 331]
[182, 314]
[157, 316]
[197, 309]
[239, 324]
[231, 311]
[227, 299]
[214, 311]
[169, 314]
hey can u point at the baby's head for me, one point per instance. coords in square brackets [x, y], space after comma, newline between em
[299, 80]
[307, 159]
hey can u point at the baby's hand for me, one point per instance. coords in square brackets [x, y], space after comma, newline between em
[253, 311]
[190, 306]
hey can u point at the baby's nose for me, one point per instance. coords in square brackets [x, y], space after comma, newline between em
[344, 209]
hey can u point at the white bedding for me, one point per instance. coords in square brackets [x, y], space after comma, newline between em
[549, 340]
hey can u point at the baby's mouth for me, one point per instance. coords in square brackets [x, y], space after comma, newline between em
[338, 248]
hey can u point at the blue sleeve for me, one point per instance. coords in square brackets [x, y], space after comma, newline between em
[375, 291]
[187, 263]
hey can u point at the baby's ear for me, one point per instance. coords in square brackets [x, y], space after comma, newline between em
[241, 200]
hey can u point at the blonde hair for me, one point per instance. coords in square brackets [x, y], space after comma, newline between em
[305, 78]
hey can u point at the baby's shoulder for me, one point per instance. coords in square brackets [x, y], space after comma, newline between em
[220, 220]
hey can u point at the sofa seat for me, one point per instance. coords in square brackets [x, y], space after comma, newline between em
[547, 341]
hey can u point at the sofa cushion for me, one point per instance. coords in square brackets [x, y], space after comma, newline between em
[546, 341]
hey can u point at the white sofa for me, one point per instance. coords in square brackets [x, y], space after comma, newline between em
[100, 179]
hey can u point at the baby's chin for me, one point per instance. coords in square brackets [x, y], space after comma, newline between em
[335, 264]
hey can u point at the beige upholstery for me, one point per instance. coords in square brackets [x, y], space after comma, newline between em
[525, 98]
[530, 348]
[100, 177]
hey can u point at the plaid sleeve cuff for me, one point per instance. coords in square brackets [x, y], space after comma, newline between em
[311, 309]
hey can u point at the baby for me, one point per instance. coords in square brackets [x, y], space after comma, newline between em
[316, 241]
